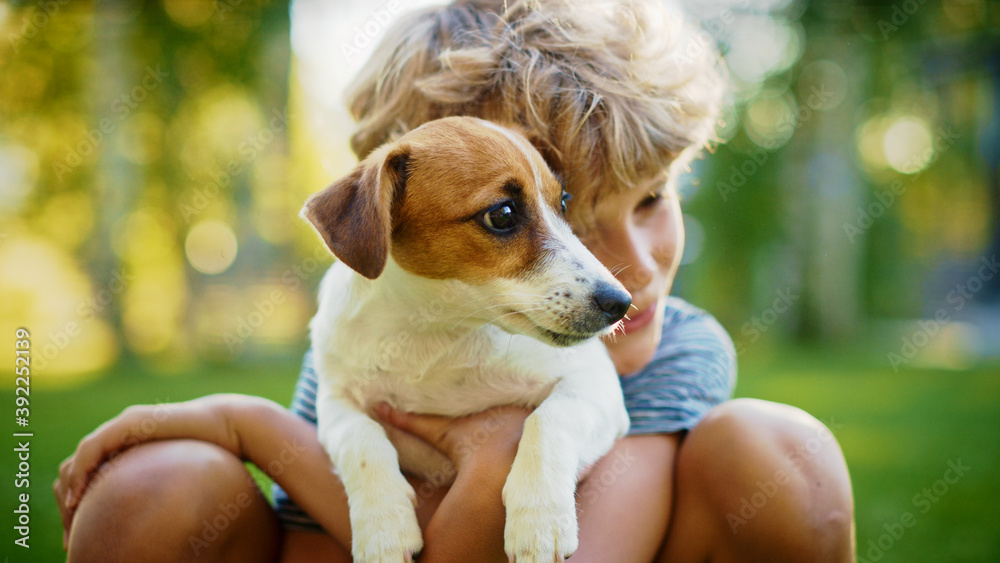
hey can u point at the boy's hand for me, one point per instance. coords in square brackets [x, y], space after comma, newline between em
[486, 437]
[203, 419]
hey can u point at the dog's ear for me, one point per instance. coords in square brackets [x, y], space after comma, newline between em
[354, 214]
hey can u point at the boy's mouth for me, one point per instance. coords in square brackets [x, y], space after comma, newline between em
[639, 319]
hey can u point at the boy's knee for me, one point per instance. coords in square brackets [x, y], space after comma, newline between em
[166, 500]
[776, 479]
[763, 434]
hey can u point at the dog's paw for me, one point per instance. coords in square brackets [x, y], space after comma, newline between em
[541, 527]
[385, 531]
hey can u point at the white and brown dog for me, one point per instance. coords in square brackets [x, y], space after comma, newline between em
[457, 275]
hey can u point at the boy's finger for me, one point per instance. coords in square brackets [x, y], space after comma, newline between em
[430, 428]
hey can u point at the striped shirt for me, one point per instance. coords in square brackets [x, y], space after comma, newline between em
[692, 370]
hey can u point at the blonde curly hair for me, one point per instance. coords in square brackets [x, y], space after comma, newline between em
[611, 92]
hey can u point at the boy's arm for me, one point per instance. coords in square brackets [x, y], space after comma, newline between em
[625, 502]
[252, 428]
[468, 525]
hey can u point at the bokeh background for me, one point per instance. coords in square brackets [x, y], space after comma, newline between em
[845, 229]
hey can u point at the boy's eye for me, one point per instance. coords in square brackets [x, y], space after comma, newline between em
[650, 200]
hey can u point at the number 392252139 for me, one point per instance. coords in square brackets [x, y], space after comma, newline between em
[22, 371]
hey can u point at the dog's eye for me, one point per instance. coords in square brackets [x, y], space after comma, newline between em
[565, 197]
[501, 217]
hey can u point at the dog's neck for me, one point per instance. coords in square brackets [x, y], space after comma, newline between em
[400, 322]
[406, 324]
[422, 304]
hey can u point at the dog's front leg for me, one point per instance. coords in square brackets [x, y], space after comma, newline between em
[572, 428]
[383, 520]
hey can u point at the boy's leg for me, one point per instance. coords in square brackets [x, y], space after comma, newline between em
[306, 547]
[760, 481]
[183, 500]
[173, 501]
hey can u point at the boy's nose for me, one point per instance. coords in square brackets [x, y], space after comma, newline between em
[625, 248]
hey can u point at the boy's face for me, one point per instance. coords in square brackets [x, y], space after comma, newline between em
[639, 236]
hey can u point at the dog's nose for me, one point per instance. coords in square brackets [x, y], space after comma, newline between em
[613, 301]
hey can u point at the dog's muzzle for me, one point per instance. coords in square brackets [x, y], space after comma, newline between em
[612, 302]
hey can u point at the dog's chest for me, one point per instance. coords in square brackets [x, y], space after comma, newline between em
[469, 375]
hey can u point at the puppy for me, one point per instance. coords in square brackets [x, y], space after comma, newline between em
[457, 278]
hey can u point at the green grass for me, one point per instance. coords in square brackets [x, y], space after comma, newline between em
[898, 432]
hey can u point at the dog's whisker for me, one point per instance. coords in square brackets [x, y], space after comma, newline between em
[497, 305]
[519, 312]
[460, 321]
[619, 269]
[516, 313]
[500, 305]
[614, 330]
[520, 294]
[506, 355]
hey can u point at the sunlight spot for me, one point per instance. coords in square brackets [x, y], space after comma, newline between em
[189, 13]
[907, 145]
[211, 247]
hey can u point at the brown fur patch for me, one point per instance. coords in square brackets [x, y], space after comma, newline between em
[352, 215]
[419, 199]
[457, 169]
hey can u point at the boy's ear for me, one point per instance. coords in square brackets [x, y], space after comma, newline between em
[354, 214]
